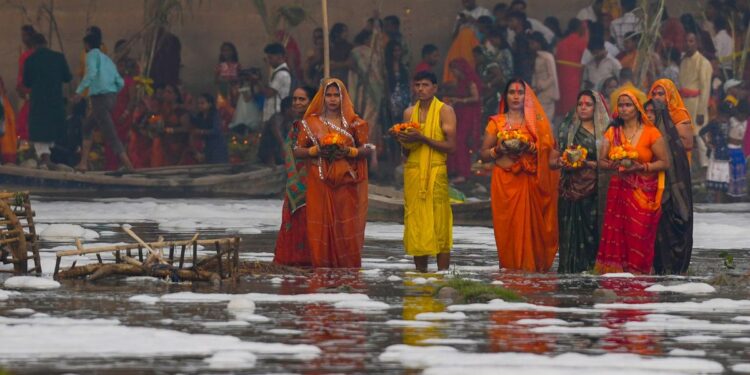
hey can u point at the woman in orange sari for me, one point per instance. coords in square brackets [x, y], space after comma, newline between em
[633, 147]
[333, 141]
[8, 138]
[524, 188]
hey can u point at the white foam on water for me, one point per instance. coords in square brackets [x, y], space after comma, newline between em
[144, 299]
[620, 275]
[394, 278]
[500, 305]
[409, 323]
[721, 230]
[250, 317]
[663, 322]
[543, 322]
[712, 305]
[231, 360]
[229, 324]
[741, 319]
[145, 279]
[687, 353]
[190, 297]
[30, 282]
[442, 360]
[440, 316]
[698, 339]
[5, 294]
[67, 233]
[564, 330]
[437, 341]
[363, 306]
[241, 304]
[743, 368]
[284, 332]
[744, 340]
[686, 288]
[21, 312]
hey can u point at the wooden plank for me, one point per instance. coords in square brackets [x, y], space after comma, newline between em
[104, 249]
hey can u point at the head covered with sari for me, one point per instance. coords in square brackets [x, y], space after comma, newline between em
[638, 106]
[533, 113]
[317, 105]
[601, 117]
[677, 110]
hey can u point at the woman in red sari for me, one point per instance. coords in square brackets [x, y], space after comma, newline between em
[466, 101]
[337, 177]
[291, 244]
[22, 122]
[524, 188]
[569, 69]
[631, 219]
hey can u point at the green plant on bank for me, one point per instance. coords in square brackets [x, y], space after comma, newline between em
[478, 292]
[282, 17]
[728, 260]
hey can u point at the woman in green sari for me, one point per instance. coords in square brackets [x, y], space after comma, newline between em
[582, 186]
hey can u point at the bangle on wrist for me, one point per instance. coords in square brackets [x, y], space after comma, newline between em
[353, 152]
[313, 151]
[646, 168]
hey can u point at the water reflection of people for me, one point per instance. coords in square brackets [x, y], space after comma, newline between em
[422, 300]
[337, 187]
[621, 340]
[339, 333]
[505, 334]
[523, 191]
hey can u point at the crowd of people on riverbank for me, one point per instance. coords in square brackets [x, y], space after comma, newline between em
[583, 162]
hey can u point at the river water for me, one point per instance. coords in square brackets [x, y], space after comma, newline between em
[367, 321]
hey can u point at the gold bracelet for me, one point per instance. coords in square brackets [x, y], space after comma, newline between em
[313, 151]
[353, 152]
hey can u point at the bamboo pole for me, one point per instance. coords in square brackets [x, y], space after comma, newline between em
[108, 248]
[326, 42]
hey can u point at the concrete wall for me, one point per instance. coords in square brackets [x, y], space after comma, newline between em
[206, 23]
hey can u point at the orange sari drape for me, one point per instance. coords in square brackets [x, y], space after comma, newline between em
[336, 189]
[8, 142]
[524, 196]
[461, 48]
[676, 107]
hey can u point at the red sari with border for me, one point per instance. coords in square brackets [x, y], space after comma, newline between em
[336, 189]
[631, 219]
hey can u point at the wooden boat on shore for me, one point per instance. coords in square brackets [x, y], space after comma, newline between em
[207, 180]
[387, 204]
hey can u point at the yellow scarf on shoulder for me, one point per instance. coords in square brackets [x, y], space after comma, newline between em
[431, 129]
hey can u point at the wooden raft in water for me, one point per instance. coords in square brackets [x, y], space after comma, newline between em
[223, 265]
[18, 233]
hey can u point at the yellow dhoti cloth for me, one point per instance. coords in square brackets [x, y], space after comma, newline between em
[428, 218]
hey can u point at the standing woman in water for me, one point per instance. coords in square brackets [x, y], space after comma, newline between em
[524, 187]
[291, 245]
[334, 145]
[580, 214]
[636, 150]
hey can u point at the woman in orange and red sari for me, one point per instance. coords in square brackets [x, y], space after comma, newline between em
[635, 148]
[334, 143]
[291, 244]
[524, 188]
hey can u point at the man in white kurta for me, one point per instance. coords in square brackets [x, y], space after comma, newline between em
[695, 88]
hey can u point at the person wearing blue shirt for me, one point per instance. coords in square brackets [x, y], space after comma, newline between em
[103, 83]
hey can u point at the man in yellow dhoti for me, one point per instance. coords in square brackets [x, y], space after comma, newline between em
[695, 81]
[428, 219]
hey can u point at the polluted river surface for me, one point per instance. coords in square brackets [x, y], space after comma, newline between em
[382, 319]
